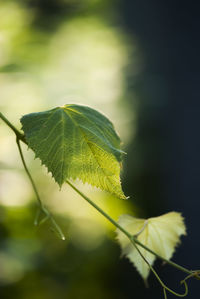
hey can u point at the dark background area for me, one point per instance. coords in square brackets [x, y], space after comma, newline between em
[167, 141]
[163, 172]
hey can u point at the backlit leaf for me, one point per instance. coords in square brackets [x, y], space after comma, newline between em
[161, 234]
[76, 141]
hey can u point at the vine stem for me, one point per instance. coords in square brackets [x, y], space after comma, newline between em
[133, 239]
[28, 173]
[18, 134]
[42, 208]
[165, 288]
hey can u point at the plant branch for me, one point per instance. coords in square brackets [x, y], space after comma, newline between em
[158, 278]
[165, 293]
[131, 238]
[41, 206]
[20, 136]
[17, 133]
[28, 173]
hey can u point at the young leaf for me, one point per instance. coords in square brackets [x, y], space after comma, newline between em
[76, 141]
[161, 234]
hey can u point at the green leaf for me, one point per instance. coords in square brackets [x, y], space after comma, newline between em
[161, 234]
[76, 141]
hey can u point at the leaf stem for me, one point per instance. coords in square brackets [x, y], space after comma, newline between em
[131, 238]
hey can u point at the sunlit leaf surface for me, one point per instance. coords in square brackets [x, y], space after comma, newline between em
[161, 234]
[76, 141]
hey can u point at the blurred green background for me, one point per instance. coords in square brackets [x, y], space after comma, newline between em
[114, 56]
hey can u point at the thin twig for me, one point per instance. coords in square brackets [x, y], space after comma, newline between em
[195, 274]
[17, 133]
[158, 278]
[21, 137]
[41, 206]
[165, 293]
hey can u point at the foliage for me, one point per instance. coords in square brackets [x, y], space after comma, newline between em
[75, 141]
[78, 142]
[161, 234]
